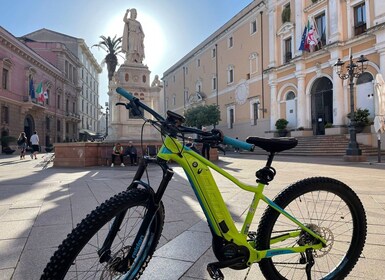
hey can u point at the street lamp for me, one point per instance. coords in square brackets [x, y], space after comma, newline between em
[107, 110]
[354, 70]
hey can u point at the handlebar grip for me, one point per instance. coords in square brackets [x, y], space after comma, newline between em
[125, 93]
[238, 144]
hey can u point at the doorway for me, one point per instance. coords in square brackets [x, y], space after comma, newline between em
[29, 126]
[321, 105]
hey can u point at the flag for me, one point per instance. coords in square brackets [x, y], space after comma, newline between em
[31, 88]
[45, 95]
[39, 92]
[304, 46]
[312, 35]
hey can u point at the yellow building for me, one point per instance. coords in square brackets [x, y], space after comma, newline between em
[253, 68]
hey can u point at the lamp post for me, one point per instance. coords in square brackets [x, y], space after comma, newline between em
[354, 70]
[107, 111]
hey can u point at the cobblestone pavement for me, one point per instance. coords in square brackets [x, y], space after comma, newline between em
[39, 205]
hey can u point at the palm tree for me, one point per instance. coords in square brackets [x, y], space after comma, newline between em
[113, 48]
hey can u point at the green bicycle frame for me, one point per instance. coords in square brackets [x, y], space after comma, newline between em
[197, 169]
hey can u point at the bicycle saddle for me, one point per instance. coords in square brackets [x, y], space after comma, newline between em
[273, 145]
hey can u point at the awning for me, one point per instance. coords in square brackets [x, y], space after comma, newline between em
[88, 132]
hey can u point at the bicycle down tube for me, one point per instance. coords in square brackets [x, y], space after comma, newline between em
[214, 207]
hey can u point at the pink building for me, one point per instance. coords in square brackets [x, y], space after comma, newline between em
[50, 113]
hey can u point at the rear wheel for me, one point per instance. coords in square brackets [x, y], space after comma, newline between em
[332, 210]
[77, 257]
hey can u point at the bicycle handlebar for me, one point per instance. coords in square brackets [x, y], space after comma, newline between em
[213, 136]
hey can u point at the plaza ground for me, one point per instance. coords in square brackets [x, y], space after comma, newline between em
[39, 205]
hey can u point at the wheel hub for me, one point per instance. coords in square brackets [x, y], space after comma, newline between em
[306, 239]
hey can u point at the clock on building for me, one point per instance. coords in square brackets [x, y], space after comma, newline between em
[241, 92]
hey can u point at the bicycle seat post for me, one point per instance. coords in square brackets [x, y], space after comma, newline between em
[270, 159]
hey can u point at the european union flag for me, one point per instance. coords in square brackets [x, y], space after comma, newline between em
[31, 89]
[303, 46]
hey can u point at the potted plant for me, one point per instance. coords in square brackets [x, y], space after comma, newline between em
[281, 125]
[5, 141]
[361, 118]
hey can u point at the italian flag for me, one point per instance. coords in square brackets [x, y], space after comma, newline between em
[39, 93]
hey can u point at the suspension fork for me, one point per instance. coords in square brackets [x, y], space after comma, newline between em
[153, 206]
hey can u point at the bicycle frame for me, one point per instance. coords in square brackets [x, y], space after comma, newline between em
[220, 221]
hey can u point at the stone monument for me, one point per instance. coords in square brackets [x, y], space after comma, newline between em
[134, 77]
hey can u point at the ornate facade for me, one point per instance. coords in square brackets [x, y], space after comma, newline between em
[253, 68]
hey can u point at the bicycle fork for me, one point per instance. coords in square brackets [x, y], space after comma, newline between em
[153, 206]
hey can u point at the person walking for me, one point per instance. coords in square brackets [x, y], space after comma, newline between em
[205, 147]
[35, 144]
[117, 151]
[22, 144]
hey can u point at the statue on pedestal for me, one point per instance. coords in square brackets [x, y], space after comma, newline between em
[132, 42]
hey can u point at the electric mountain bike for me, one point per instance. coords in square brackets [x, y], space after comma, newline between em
[314, 229]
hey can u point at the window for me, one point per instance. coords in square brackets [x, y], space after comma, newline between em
[174, 99]
[320, 22]
[213, 53]
[286, 13]
[255, 112]
[46, 96]
[290, 95]
[198, 62]
[4, 115]
[4, 80]
[58, 125]
[58, 101]
[186, 70]
[67, 128]
[230, 42]
[359, 19]
[253, 27]
[230, 74]
[214, 83]
[230, 117]
[253, 62]
[288, 53]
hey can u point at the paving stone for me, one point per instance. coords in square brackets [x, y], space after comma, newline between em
[10, 251]
[15, 229]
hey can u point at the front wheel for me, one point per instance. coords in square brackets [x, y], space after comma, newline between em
[332, 210]
[77, 257]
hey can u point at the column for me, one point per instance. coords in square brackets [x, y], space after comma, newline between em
[272, 29]
[301, 101]
[335, 20]
[273, 102]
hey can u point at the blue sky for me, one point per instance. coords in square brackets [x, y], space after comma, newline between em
[172, 27]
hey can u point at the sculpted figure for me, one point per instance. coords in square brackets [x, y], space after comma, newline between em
[132, 43]
[156, 81]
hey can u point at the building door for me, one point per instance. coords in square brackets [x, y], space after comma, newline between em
[28, 126]
[291, 110]
[365, 93]
[321, 105]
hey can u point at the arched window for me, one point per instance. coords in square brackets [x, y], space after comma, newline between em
[290, 95]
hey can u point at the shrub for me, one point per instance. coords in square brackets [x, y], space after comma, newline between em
[281, 124]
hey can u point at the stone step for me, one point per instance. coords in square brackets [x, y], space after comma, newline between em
[324, 145]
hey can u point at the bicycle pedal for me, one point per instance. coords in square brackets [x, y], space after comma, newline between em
[215, 272]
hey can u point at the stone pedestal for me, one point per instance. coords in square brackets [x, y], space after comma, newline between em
[135, 78]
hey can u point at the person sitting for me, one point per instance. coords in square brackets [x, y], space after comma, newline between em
[117, 151]
[132, 153]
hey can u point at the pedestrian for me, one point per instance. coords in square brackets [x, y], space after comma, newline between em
[22, 144]
[236, 149]
[35, 144]
[117, 151]
[132, 153]
[205, 147]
